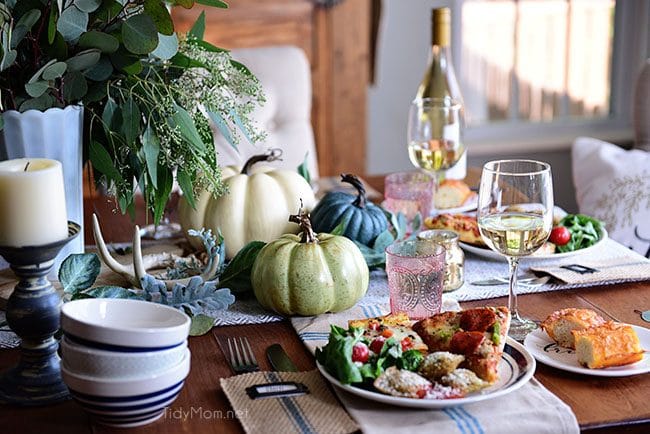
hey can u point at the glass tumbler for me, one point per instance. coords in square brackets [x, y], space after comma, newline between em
[416, 271]
[455, 257]
[409, 193]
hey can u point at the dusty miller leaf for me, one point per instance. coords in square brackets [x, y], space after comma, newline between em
[214, 246]
[194, 297]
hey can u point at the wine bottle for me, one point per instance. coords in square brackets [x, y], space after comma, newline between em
[440, 79]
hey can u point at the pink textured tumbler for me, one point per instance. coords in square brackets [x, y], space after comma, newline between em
[416, 271]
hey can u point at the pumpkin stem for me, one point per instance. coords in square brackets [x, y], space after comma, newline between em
[272, 154]
[302, 218]
[361, 200]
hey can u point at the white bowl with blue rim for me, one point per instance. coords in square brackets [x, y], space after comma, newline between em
[83, 360]
[128, 402]
[120, 324]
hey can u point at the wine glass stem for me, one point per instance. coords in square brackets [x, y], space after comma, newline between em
[513, 263]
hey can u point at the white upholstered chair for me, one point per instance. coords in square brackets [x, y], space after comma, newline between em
[614, 184]
[286, 116]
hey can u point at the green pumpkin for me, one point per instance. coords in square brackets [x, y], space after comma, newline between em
[309, 274]
[365, 220]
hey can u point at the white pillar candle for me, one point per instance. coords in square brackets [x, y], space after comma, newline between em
[32, 202]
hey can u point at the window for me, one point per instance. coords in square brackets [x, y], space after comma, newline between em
[541, 72]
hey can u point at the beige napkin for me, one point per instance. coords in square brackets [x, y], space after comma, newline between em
[531, 409]
[316, 412]
[592, 270]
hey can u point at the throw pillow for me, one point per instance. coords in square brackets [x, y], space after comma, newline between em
[613, 185]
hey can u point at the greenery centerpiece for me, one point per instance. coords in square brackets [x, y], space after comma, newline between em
[150, 94]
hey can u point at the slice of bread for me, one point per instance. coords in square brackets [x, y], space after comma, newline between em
[392, 319]
[561, 323]
[451, 193]
[610, 344]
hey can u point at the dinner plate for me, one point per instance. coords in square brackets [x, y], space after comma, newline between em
[545, 350]
[516, 368]
[486, 252]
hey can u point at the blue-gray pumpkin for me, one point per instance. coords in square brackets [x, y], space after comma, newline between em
[365, 220]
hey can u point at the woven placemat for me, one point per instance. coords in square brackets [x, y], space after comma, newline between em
[586, 271]
[316, 412]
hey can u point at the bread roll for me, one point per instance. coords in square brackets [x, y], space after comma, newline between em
[451, 193]
[610, 344]
[561, 323]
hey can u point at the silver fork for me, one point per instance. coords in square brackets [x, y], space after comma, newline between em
[240, 355]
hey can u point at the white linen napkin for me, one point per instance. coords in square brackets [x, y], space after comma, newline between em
[532, 409]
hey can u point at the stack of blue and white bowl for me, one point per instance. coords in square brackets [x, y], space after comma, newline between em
[124, 361]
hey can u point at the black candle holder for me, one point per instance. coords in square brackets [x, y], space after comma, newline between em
[33, 313]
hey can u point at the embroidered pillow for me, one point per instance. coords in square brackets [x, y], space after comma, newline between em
[613, 185]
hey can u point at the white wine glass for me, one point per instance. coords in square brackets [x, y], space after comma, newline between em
[434, 134]
[515, 217]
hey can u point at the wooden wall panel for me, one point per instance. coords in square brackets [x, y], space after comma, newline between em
[340, 80]
[253, 23]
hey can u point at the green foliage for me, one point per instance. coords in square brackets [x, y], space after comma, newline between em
[138, 81]
[237, 274]
[79, 271]
[201, 324]
[303, 170]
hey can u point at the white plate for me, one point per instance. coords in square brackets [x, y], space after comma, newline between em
[517, 366]
[544, 349]
[486, 252]
[470, 205]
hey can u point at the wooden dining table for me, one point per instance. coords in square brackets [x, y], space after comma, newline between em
[601, 404]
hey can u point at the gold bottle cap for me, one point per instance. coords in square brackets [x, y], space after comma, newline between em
[441, 26]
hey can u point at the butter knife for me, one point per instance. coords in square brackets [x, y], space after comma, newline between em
[528, 281]
[279, 359]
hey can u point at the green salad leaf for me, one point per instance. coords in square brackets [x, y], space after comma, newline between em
[585, 231]
[336, 357]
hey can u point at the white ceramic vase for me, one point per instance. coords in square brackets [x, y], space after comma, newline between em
[57, 134]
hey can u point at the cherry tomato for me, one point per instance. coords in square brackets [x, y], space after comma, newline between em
[560, 235]
[407, 343]
[377, 344]
[387, 333]
[360, 352]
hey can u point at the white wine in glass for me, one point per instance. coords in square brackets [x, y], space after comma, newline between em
[434, 134]
[515, 217]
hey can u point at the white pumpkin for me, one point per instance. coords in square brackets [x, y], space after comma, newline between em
[256, 207]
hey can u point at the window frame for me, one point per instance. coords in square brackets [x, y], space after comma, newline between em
[630, 49]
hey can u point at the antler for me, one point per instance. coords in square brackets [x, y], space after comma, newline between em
[106, 257]
[138, 269]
